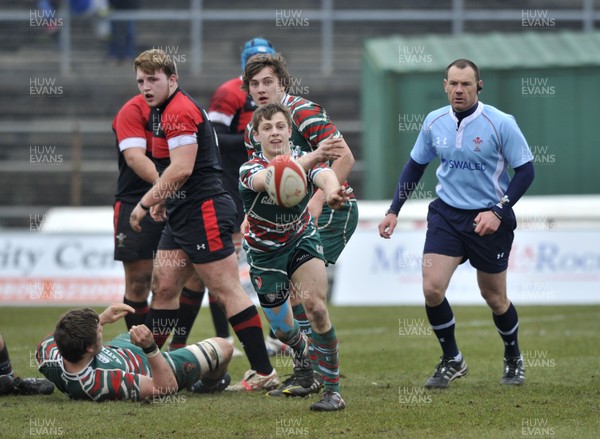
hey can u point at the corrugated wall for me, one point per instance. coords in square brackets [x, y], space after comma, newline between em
[550, 82]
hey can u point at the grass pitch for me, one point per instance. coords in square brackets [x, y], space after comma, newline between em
[386, 355]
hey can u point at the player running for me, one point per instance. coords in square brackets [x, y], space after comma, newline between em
[282, 247]
[267, 80]
[230, 111]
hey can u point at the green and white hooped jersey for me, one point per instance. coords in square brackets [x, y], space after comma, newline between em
[310, 125]
[271, 227]
[113, 374]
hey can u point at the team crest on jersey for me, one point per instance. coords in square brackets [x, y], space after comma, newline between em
[188, 367]
[258, 281]
[477, 141]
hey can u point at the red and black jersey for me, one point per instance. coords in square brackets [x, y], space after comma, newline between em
[131, 131]
[231, 106]
[181, 121]
[230, 111]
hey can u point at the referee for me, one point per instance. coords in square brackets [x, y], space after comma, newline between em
[472, 218]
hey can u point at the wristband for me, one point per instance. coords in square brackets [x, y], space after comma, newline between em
[498, 208]
[143, 206]
[156, 353]
[495, 212]
[150, 349]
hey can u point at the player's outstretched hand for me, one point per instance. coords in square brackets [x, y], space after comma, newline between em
[387, 225]
[137, 214]
[337, 199]
[141, 336]
[114, 312]
[329, 149]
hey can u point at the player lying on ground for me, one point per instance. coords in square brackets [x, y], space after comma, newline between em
[130, 367]
[283, 246]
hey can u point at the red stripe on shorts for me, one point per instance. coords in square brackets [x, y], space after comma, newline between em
[116, 218]
[209, 216]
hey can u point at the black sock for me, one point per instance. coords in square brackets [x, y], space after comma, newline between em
[5, 366]
[441, 319]
[189, 306]
[161, 322]
[508, 328]
[141, 310]
[248, 327]
[219, 318]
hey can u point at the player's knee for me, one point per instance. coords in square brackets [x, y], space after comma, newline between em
[434, 294]
[497, 302]
[212, 353]
[194, 283]
[162, 288]
[226, 349]
[317, 314]
[138, 288]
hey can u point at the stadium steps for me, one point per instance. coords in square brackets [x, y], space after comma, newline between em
[95, 89]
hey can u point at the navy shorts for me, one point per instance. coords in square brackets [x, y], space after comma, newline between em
[201, 229]
[450, 232]
[130, 245]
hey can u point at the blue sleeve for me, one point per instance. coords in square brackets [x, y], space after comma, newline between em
[409, 178]
[520, 182]
[517, 187]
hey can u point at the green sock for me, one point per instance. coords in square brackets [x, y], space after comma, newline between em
[300, 317]
[295, 340]
[326, 350]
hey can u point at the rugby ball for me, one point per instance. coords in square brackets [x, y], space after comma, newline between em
[285, 181]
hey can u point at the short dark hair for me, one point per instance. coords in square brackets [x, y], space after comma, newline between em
[259, 62]
[266, 112]
[463, 63]
[75, 331]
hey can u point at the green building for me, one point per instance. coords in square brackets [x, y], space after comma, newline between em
[548, 80]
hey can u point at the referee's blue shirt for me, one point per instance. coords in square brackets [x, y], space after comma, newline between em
[474, 159]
